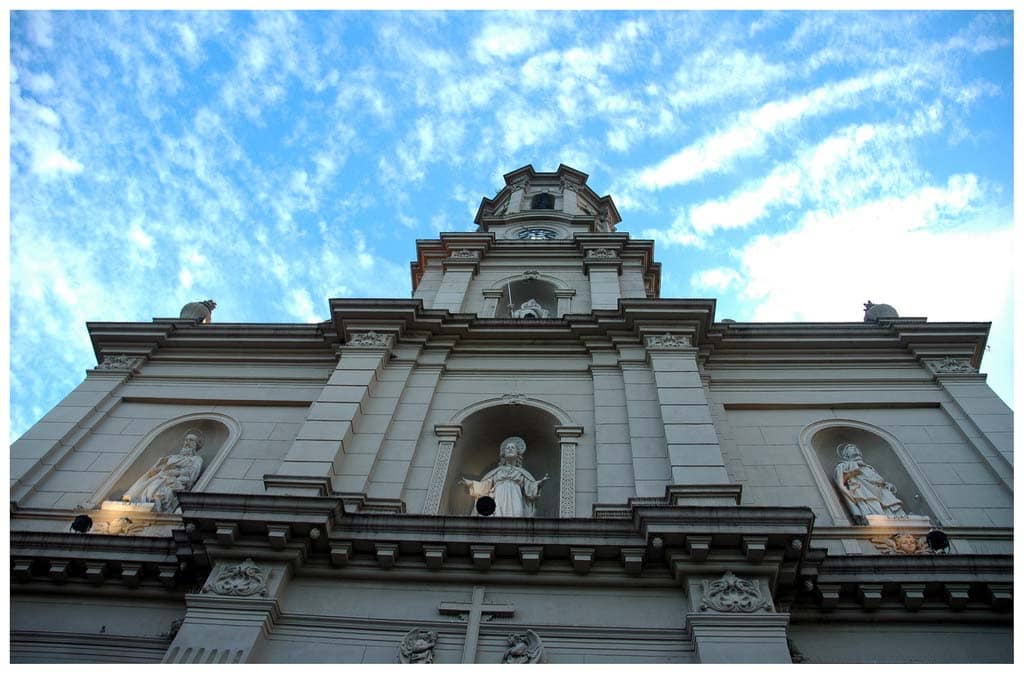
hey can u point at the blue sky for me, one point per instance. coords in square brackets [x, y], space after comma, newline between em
[791, 164]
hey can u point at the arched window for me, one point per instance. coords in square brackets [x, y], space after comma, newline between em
[543, 200]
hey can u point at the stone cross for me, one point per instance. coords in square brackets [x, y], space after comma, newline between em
[475, 610]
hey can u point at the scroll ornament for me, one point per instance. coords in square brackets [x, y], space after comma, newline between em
[732, 594]
[241, 580]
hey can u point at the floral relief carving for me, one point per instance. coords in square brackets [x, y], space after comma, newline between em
[603, 253]
[417, 648]
[667, 341]
[241, 580]
[368, 339]
[953, 365]
[120, 362]
[732, 594]
[465, 254]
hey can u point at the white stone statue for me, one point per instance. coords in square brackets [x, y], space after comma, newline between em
[174, 472]
[530, 309]
[863, 488]
[510, 485]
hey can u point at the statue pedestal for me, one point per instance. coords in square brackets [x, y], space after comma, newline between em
[910, 524]
[127, 507]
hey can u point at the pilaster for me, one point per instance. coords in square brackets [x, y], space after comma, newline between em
[235, 611]
[43, 446]
[567, 440]
[321, 442]
[694, 451]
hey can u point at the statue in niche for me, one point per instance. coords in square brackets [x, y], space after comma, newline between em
[174, 472]
[863, 488]
[530, 309]
[510, 485]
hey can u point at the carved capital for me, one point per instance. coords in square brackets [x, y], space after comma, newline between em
[369, 340]
[241, 580]
[952, 366]
[668, 341]
[120, 362]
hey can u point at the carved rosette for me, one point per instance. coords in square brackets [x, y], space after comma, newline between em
[732, 594]
[667, 341]
[369, 340]
[241, 580]
[902, 544]
[602, 254]
[524, 648]
[953, 366]
[417, 648]
[120, 362]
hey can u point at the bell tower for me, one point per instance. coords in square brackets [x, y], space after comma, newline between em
[545, 246]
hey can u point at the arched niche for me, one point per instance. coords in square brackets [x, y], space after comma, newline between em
[506, 297]
[880, 449]
[219, 434]
[468, 447]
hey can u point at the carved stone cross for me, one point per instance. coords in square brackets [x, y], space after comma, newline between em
[475, 610]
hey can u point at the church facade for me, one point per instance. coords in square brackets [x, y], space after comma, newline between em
[535, 458]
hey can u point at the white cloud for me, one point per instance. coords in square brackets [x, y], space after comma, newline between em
[717, 279]
[301, 306]
[40, 28]
[505, 40]
[185, 278]
[751, 130]
[139, 236]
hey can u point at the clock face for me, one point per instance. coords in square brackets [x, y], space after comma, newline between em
[536, 233]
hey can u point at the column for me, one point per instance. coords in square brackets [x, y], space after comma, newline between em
[226, 622]
[567, 441]
[693, 448]
[320, 444]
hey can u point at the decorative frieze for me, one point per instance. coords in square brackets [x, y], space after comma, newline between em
[602, 254]
[668, 341]
[120, 362]
[369, 339]
[240, 580]
[953, 366]
[732, 594]
[465, 254]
